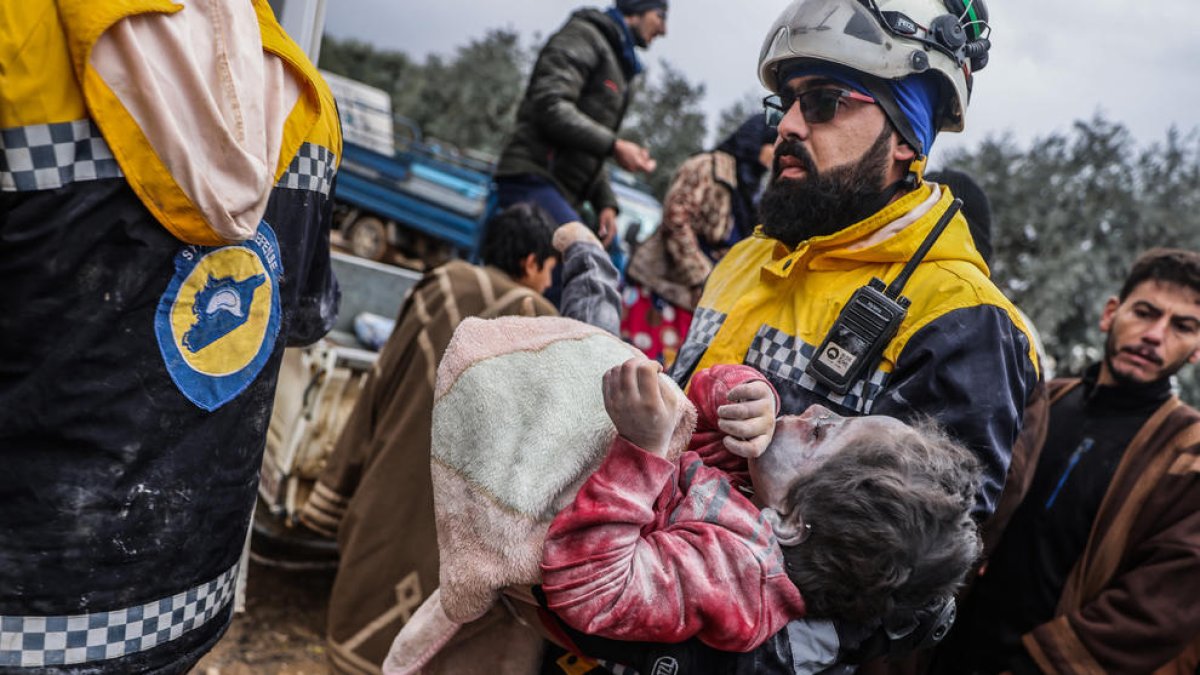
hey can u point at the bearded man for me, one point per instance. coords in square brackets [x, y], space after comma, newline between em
[847, 203]
[860, 90]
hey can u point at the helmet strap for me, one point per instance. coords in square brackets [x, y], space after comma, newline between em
[882, 92]
[916, 172]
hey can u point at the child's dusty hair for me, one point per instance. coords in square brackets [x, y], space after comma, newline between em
[890, 525]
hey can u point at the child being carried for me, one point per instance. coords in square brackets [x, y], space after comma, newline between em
[658, 517]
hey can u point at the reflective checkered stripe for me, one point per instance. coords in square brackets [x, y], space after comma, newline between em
[311, 169]
[616, 668]
[705, 324]
[37, 641]
[49, 156]
[784, 357]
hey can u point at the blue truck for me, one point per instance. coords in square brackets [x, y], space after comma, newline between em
[398, 198]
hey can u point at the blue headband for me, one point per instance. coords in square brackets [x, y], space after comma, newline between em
[917, 96]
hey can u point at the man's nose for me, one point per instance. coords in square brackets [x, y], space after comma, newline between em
[793, 124]
[1157, 331]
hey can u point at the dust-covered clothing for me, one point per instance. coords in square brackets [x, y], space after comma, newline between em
[146, 310]
[375, 494]
[961, 354]
[661, 551]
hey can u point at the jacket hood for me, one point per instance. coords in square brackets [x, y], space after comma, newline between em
[604, 23]
[191, 104]
[891, 236]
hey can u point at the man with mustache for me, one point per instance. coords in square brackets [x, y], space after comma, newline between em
[1098, 569]
[848, 202]
[861, 89]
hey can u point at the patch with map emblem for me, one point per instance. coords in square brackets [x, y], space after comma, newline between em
[218, 319]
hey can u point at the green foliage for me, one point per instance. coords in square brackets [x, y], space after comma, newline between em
[666, 117]
[474, 103]
[1072, 212]
[733, 116]
[469, 100]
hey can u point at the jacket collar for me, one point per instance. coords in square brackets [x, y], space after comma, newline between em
[1124, 397]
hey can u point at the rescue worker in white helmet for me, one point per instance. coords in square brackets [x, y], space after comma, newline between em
[862, 290]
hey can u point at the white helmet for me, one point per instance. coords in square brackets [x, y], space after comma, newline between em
[887, 39]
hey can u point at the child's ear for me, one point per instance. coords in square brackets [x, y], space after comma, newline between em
[529, 267]
[790, 531]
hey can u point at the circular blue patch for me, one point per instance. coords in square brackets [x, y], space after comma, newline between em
[218, 320]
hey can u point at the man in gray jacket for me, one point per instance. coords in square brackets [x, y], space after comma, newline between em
[576, 99]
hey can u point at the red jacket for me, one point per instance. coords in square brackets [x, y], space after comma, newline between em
[656, 551]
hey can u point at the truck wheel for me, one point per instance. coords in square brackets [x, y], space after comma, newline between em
[368, 238]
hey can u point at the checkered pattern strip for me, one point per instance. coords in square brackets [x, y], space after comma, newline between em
[49, 156]
[616, 668]
[37, 641]
[311, 169]
[777, 353]
[705, 324]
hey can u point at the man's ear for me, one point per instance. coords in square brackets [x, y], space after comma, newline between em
[1110, 311]
[903, 152]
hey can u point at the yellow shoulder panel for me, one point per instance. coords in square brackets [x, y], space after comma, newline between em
[37, 83]
[314, 119]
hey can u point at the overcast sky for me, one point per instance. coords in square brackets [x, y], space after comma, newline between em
[1052, 62]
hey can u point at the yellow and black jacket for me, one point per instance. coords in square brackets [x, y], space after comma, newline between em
[138, 350]
[962, 354]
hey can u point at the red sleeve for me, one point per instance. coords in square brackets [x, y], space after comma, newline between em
[656, 552]
[709, 390]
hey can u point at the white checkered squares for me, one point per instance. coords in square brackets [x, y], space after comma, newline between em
[38, 641]
[311, 169]
[705, 324]
[49, 156]
[784, 359]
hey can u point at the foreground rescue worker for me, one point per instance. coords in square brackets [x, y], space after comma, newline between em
[165, 181]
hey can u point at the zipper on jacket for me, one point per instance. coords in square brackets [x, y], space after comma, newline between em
[1084, 446]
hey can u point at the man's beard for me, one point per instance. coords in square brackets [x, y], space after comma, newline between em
[794, 210]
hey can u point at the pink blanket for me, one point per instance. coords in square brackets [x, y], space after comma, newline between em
[518, 425]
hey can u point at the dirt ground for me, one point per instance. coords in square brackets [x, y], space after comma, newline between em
[281, 632]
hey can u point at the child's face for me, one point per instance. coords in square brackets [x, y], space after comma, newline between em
[803, 442]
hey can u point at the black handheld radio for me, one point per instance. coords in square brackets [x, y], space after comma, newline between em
[868, 322]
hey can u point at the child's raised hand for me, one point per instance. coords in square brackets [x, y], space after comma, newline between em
[640, 410]
[748, 420]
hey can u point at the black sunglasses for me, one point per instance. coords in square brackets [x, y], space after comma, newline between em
[818, 105]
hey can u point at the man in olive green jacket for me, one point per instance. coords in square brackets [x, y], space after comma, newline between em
[573, 107]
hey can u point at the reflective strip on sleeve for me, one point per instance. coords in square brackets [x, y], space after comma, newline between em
[39, 641]
[49, 156]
